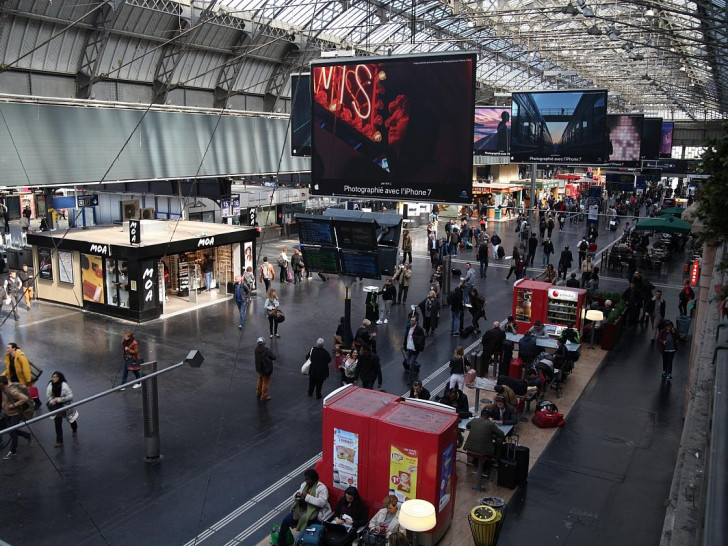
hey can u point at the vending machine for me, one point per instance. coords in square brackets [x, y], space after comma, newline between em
[556, 306]
[386, 445]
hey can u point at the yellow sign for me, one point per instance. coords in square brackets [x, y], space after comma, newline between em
[403, 473]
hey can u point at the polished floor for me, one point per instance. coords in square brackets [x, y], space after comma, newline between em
[229, 461]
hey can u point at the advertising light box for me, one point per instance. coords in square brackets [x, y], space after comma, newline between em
[398, 128]
[564, 127]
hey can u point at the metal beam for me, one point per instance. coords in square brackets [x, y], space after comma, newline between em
[96, 41]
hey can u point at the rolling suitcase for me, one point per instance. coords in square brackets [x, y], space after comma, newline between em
[312, 535]
[515, 370]
[508, 469]
[523, 455]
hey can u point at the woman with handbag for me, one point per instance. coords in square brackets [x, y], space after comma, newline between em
[272, 309]
[319, 370]
[59, 394]
[130, 347]
[459, 365]
[349, 370]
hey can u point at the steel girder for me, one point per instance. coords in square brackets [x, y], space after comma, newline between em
[96, 42]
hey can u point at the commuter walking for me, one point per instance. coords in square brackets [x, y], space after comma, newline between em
[242, 297]
[319, 371]
[59, 394]
[13, 401]
[14, 291]
[27, 282]
[272, 308]
[264, 358]
[267, 273]
[130, 347]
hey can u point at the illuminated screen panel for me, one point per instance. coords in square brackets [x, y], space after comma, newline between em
[651, 137]
[566, 127]
[668, 128]
[624, 139]
[492, 130]
[356, 235]
[320, 259]
[315, 230]
[301, 115]
[359, 263]
[398, 128]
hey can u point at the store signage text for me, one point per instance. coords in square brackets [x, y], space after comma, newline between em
[694, 273]
[96, 248]
[565, 295]
[206, 241]
[134, 235]
[148, 278]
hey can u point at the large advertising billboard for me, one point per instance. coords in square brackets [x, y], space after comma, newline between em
[651, 138]
[398, 128]
[566, 127]
[301, 114]
[624, 140]
[492, 130]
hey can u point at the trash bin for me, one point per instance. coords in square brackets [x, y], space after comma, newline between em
[490, 211]
[499, 504]
[682, 324]
[483, 522]
[498, 213]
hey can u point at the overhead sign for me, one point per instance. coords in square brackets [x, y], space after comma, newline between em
[135, 232]
[97, 248]
[87, 201]
[566, 295]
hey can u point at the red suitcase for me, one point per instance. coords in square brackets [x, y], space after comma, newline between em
[548, 419]
[515, 370]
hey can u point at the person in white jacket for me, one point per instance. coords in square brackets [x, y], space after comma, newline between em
[59, 394]
[310, 503]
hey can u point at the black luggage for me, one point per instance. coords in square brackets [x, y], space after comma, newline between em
[323, 276]
[523, 455]
[507, 474]
[501, 253]
[467, 331]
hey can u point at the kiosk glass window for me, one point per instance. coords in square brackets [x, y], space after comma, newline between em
[524, 298]
[92, 278]
[563, 307]
[117, 283]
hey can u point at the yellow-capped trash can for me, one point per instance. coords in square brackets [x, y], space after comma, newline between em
[484, 524]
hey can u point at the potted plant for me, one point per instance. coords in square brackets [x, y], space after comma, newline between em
[613, 326]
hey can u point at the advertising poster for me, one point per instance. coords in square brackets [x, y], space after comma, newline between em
[446, 477]
[346, 458]
[45, 264]
[92, 276]
[65, 266]
[403, 473]
[248, 260]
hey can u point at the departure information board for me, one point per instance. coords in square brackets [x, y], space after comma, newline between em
[359, 263]
[315, 230]
[320, 259]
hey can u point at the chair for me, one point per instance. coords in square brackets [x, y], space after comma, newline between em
[482, 459]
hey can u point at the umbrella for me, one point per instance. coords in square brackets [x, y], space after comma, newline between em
[675, 211]
[664, 224]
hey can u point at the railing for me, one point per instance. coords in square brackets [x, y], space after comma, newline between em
[715, 530]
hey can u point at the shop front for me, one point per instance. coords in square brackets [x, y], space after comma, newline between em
[141, 272]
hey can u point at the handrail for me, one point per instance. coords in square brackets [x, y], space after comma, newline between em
[715, 529]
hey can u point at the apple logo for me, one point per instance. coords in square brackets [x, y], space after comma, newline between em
[316, 187]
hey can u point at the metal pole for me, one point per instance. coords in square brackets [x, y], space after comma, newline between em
[150, 409]
[347, 316]
[91, 398]
[532, 214]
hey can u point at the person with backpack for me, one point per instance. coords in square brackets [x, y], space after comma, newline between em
[17, 405]
[267, 273]
[283, 262]
[495, 240]
[59, 394]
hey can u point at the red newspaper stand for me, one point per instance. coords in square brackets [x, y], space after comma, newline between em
[557, 306]
[383, 444]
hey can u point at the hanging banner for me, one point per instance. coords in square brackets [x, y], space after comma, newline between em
[403, 473]
[346, 459]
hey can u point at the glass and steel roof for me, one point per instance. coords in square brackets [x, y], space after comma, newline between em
[665, 57]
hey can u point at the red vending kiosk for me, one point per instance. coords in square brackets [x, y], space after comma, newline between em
[556, 306]
[415, 458]
[383, 444]
[349, 424]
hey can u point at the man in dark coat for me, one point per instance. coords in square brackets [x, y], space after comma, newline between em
[483, 437]
[418, 391]
[457, 399]
[633, 298]
[527, 349]
[455, 301]
[369, 369]
[501, 413]
[565, 261]
[430, 308]
[319, 370]
[413, 345]
[492, 344]
[532, 246]
[264, 358]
